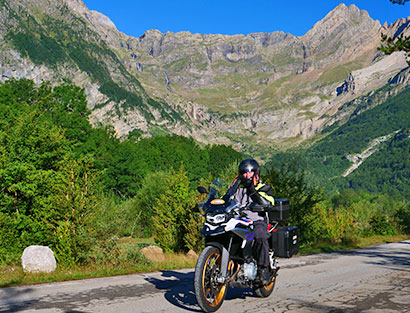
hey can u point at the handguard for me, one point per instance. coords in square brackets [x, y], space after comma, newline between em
[259, 203]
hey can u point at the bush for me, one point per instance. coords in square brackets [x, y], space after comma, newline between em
[290, 182]
[65, 246]
[142, 205]
[174, 223]
[329, 225]
[380, 224]
[403, 217]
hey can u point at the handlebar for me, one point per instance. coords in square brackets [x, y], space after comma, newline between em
[257, 207]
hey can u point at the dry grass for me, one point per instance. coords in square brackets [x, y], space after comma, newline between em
[15, 276]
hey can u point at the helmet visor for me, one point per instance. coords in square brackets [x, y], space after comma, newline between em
[248, 175]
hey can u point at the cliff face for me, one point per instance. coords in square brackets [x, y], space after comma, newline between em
[228, 89]
[62, 41]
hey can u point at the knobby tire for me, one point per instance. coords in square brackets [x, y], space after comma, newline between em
[208, 292]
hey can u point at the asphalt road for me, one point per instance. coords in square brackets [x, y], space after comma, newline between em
[375, 279]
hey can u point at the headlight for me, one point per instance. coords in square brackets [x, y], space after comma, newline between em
[215, 219]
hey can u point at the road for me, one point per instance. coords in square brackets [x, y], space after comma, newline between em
[374, 279]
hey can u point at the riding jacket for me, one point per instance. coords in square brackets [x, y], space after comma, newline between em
[245, 197]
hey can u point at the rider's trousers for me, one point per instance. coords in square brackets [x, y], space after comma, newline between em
[261, 245]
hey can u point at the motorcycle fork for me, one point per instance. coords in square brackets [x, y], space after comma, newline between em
[248, 251]
[224, 262]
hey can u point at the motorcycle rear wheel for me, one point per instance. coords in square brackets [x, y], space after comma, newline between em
[265, 291]
[208, 292]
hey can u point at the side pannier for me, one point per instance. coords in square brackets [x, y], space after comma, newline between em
[280, 211]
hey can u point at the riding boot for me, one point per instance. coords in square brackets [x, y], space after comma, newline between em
[264, 275]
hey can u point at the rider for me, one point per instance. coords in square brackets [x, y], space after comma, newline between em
[252, 190]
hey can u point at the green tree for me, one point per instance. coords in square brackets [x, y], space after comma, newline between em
[142, 205]
[37, 186]
[290, 182]
[221, 156]
[69, 111]
[399, 1]
[77, 198]
[171, 216]
[33, 153]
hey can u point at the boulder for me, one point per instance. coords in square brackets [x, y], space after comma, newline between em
[192, 255]
[37, 259]
[153, 253]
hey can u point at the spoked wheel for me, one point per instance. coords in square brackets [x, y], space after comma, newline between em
[209, 293]
[266, 290]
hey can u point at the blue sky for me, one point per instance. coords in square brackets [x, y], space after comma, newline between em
[232, 17]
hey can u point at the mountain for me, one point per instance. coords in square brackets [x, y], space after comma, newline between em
[370, 151]
[50, 41]
[262, 89]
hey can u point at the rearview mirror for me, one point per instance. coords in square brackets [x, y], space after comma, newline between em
[201, 189]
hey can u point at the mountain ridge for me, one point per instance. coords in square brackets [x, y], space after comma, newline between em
[235, 89]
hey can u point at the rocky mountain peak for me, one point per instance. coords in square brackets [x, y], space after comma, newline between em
[400, 26]
[344, 33]
[275, 84]
[347, 11]
[76, 5]
[151, 34]
[103, 19]
[342, 17]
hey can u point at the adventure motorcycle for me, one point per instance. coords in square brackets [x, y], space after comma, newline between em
[227, 260]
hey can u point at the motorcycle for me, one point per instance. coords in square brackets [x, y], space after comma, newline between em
[228, 260]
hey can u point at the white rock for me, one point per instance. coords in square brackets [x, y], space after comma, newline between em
[38, 259]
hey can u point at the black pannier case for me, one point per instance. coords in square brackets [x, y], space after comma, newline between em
[280, 211]
[285, 241]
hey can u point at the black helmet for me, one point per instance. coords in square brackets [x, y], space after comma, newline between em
[249, 165]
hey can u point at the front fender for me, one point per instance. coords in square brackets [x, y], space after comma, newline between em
[216, 245]
[225, 257]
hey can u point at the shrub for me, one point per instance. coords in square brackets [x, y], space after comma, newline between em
[142, 205]
[381, 224]
[173, 221]
[403, 216]
[290, 182]
[328, 224]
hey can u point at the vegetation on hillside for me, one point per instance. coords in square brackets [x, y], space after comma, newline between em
[60, 178]
[385, 171]
[58, 42]
[80, 189]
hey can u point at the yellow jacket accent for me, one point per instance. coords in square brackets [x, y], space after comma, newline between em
[264, 194]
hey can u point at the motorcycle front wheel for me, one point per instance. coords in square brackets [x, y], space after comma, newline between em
[208, 292]
[265, 291]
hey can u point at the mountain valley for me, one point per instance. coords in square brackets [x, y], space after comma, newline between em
[264, 89]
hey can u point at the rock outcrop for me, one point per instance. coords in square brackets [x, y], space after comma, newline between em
[377, 74]
[402, 78]
[343, 34]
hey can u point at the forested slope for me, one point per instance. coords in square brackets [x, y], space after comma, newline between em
[385, 170]
[57, 172]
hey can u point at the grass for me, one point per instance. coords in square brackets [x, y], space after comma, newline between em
[15, 276]
[178, 65]
[340, 72]
[360, 243]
